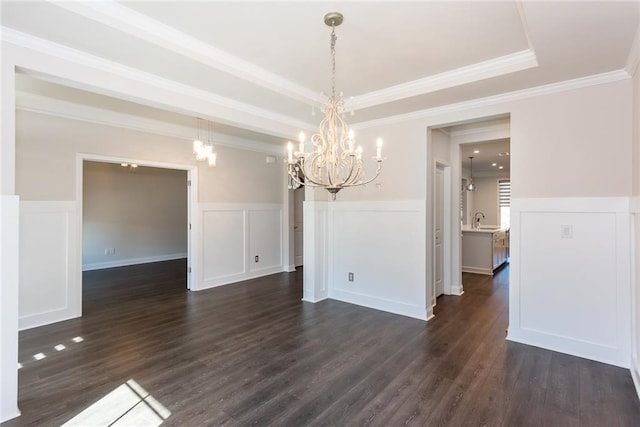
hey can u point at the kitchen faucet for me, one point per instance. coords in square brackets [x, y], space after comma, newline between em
[476, 219]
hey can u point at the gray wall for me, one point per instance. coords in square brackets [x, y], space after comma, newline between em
[142, 215]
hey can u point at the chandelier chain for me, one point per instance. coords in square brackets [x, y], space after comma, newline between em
[334, 38]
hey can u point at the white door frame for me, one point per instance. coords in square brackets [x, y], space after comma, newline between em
[446, 226]
[192, 211]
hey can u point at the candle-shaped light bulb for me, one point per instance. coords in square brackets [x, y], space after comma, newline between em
[290, 152]
[379, 148]
[197, 146]
[359, 152]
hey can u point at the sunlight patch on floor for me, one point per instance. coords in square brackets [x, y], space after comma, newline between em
[127, 405]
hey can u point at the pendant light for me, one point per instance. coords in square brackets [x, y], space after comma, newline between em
[471, 186]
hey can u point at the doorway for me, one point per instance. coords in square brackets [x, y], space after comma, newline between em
[134, 213]
[452, 145]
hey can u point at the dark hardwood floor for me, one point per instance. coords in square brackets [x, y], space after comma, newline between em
[255, 354]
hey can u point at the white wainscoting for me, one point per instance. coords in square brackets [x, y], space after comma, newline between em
[231, 237]
[50, 282]
[315, 250]
[570, 284]
[635, 295]
[9, 267]
[384, 245]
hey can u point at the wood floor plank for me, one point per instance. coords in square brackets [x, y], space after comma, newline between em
[254, 354]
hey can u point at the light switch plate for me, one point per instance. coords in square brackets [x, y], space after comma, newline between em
[566, 231]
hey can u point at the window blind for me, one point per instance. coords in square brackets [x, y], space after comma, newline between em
[504, 193]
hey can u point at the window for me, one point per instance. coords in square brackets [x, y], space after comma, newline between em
[504, 201]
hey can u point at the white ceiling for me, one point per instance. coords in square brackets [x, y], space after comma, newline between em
[394, 58]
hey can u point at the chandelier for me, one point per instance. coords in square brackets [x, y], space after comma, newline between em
[204, 150]
[334, 162]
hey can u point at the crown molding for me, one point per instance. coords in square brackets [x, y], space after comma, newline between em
[633, 59]
[581, 82]
[480, 71]
[70, 110]
[122, 18]
[66, 53]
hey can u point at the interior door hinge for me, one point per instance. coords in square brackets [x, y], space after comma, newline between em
[189, 226]
[189, 270]
[188, 183]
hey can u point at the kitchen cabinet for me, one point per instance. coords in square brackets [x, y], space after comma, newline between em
[484, 249]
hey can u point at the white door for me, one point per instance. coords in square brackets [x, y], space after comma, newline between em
[298, 199]
[437, 232]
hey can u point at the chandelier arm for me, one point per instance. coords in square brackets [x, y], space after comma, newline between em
[312, 176]
[295, 179]
[369, 180]
[350, 172]
[305, 183]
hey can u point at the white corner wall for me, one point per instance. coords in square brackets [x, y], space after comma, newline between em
[9, 260]
[635, 209]
[383, 244]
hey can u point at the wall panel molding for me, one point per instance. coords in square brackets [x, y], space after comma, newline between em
[381, 243]
[570, 283]
[232, 235]
[50, 282]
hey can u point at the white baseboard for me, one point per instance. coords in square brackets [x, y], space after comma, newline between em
[47, 318]
[131, 261]
[10, 416]
[457, 291]
[315, 300]
[235, 278]
[380, 304]
[290, 268]
[574, 347]
[477, 270]
[635, 374]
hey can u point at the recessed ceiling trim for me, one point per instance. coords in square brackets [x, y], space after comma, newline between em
[85, 59]
[524, 23]
[633, 59]
[74, 111]
[122, 18]
[495, 67]
[581, 82]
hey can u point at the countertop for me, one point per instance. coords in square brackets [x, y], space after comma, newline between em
[484, 229]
